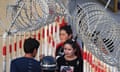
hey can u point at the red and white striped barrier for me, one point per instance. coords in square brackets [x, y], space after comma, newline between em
[4, 52]
[48, 36]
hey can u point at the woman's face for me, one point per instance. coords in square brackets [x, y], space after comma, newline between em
[64, 36]
[68, 50]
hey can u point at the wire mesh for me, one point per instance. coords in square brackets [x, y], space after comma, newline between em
[99, 32]
[29, 15]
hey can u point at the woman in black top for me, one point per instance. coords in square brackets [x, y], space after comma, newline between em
[70, 62]
[65, 34]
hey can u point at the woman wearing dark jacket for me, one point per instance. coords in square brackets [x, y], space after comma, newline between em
[70, 61]
[65, 34]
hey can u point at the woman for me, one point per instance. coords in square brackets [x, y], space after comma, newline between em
[65, 34]
[70, 62]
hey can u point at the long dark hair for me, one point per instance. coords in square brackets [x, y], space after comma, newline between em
[74, 45]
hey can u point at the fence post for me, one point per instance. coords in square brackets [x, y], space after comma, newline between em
[4, 51]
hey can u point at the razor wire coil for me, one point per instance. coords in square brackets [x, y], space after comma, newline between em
[98, 31]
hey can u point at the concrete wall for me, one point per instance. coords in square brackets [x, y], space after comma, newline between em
[4, 20]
